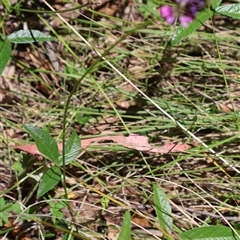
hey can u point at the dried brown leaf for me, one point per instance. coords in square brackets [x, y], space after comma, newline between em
[132, 141]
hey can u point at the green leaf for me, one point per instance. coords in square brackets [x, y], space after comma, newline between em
[56, 210]
[163, 209]
[29, 36]
[215, 4]
[5, 208]
[125, 233]
[17, 167]
[49, 180]
[7, 4]
[210, 233]
[149, 9]
[16, 208]
[3, 216]
[44, 141]
[72, 149]
[82, 119]
[5, 53]
[231, 10]
[68, 236]
[200, 19]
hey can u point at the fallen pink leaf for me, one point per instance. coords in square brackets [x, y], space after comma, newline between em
[132, 141]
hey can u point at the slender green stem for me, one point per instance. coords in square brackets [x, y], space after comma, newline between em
[77, 85]
[50, 12]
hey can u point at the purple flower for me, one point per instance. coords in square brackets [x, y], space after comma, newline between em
[192, 10]
[186, 14]
[185, 20]
[168, 13]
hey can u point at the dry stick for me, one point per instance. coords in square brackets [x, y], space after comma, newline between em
[178, 208]
[204, 213]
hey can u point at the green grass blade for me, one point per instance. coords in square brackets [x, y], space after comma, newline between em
[7, 4]
[125, 233]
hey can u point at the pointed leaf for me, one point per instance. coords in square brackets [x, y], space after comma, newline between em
[68, 236]
[215, 4]
[5, 53]
[7, 4]
[29, 36]
[72, 149]
[163, 209]
[16, 208]
[231, 10]
[125, 233]
[44, 141]
[200, 19]
[49, 180]
[56, 210]
[4, 209]
[210, 233]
